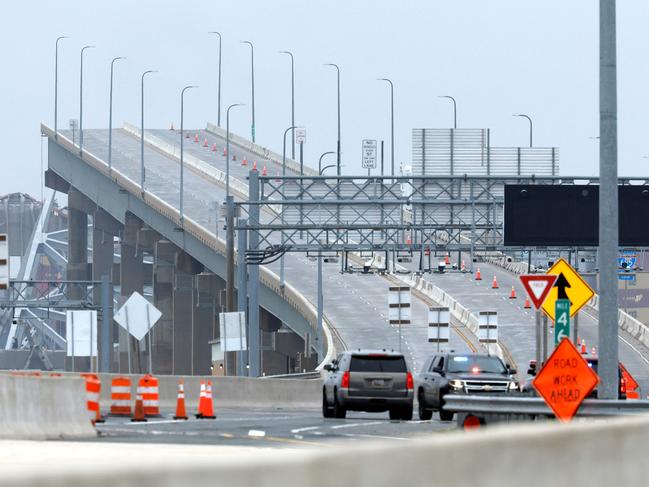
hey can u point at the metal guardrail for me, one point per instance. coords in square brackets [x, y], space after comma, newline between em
[536, 406]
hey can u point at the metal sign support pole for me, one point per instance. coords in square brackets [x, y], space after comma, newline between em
[229, 251]
[539, 358]
[320, 294]
[253, 282]
[545, 338]
[242, 290]
[72, 330]
[575, 333]
[90, 351]
[399, 300]
[128, 339]
[148, 327]
[608, 204]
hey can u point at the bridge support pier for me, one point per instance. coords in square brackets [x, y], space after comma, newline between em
[163, 280]
[205, 323]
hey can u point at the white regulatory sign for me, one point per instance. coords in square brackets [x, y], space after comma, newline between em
[300, 135]
[137, 316]
[369, 154]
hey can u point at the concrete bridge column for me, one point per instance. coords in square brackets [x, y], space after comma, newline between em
[77, 268]
[183, 313]
[131, 280]
[163, 280]
[104, 228]
[205, 324]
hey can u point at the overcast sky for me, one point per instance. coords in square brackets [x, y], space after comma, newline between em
[496, 57]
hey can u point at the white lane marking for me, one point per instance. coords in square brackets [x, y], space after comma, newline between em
[162, 421]
[351, 435]
[620, 337]
[257, 433]
[307, 428]
[352, 425]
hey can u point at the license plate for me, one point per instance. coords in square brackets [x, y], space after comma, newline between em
[378, 382]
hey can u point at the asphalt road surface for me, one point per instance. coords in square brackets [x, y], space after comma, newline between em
[267, 428]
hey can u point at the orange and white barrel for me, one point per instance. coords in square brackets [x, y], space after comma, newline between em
[148, 388]
[120, 396]
[93, 389]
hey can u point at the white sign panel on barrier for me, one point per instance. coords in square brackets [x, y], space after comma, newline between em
[399, 305]
[488, 327]
[137, 316]
[233, 331]
[438, 325]
[81, 333]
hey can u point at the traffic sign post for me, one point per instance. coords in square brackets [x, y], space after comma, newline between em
[562, 322]
[565, 380]
[538, 287]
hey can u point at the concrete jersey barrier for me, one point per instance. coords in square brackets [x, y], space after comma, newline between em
[592, 454]
[43, 408]
[229, 391]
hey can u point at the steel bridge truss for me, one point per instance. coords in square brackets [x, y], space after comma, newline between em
[345, 213]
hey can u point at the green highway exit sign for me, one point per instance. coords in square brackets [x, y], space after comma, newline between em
[562, 320]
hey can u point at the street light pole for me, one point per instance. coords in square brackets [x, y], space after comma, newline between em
[338, 143]
[281, 262]
[56, 86]
[391, 120]
[529, 120]
[320, 161]
[325, 168]
[219, 90]
[81, 100]
[252, 71]
[454, 109]
[182, 139]
[142, 172]
[227, 147]
[292, 98]
[110, 115]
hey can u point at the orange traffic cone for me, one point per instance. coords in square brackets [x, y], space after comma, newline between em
[172, 126]
[234, 157]
[225, 152]
[463, 267]
[244, 161]
[494, 283]
[512, 295]
[527, 304]
[263, 171]
[201, 400]
[138, 414]
[205, 144]
[254, 166]
[208, 412]
[196, 138]
[583, 347]
[214, 147]
[180, 404]
[447, 260]
[478, 276]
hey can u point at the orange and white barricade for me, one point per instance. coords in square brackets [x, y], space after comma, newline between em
[120, 396]
[150, 392]
[93, 389]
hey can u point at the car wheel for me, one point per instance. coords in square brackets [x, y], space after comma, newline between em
[424, 413]
[339, 411]
[406, 413]
[443, 414]
[327, 411]
[395, 414]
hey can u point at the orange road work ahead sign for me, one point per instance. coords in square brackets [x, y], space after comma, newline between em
[565, 380]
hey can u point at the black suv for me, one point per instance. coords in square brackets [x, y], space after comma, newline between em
[456, 373]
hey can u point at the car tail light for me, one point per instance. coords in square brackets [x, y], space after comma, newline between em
[345, 382]
[410, 384]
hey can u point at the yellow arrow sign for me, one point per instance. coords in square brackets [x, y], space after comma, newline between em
[569, 285]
